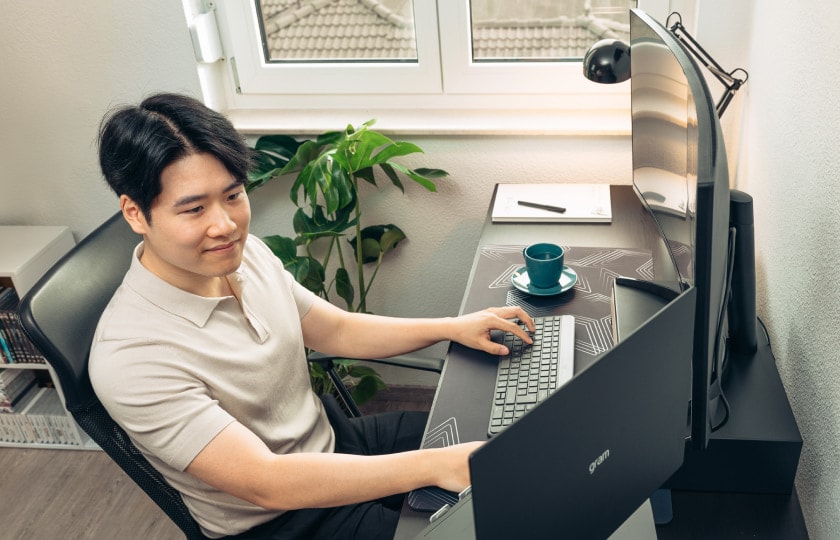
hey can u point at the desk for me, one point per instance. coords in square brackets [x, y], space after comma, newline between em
[464, 390]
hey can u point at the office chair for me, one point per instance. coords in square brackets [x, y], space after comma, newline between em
[60, 313]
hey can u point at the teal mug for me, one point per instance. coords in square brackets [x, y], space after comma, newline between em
[544, 263]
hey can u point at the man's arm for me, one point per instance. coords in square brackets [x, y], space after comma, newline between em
[313, 480]
[331, 330]
[236, 461]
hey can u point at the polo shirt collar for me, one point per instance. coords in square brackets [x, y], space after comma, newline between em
[196, 309]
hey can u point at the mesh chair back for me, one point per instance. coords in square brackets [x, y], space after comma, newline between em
[60, 314]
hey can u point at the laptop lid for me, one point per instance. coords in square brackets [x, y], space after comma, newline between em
[586, 458]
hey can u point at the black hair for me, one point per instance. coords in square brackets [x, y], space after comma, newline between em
[136, 143]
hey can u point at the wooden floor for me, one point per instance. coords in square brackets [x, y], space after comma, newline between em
[46, 494]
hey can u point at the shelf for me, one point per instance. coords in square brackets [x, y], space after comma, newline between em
[24, 365]
[26, 254]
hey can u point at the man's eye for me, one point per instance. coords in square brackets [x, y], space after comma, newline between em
[195, 210]
[234, 196]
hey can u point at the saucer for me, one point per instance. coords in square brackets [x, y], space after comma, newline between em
[520, 280]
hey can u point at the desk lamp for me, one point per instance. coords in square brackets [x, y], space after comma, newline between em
[608, 62]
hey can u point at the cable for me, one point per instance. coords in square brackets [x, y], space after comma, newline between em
[727, 291]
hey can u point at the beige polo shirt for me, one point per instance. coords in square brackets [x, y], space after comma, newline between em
[174, 369]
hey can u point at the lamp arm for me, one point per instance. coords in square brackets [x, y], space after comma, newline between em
[727, 78]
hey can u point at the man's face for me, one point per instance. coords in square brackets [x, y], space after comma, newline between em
[199, 225]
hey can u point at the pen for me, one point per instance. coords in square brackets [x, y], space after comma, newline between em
[548, 207]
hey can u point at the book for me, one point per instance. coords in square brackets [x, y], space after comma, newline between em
[14, 383]
[12, 429]
[14, 344]
[579, 202]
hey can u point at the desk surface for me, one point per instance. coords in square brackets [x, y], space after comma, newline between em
[462, 401]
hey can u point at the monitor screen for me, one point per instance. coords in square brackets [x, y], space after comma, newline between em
[680, 173]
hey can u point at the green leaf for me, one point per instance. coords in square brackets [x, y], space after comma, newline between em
[319, 379]
[392, 174]
[370, 250]
[414, 175]
[284, 248]
[308, 272]
[280, 146]
[431, 173]
[396, 149]
[344, 287]
[366, 174]
[324, 175]
[343, 365]
[306, 152]
[258, 179]
[329, 138]
[366, 389]
[319, 225]
[377, 239]
[358, 148]
[390, 238]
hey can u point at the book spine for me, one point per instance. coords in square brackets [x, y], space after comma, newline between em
[26, 428]
[6, 356]
[21, 349]
[9, 430]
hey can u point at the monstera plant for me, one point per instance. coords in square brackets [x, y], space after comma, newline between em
[332, 247]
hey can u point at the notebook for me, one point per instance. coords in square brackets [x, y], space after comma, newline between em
[578, 202]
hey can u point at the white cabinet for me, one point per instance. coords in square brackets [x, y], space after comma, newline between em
[37, 418]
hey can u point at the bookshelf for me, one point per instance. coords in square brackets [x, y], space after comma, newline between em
[32, 413]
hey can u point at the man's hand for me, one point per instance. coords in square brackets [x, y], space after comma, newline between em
[473, 330]
[453, 470]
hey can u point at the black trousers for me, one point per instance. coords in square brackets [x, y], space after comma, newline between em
[384, 433]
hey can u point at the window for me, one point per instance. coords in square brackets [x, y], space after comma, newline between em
[337, 31]
[426, 65]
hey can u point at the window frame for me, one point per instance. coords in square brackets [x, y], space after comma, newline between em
[256, 76]
[463, 97]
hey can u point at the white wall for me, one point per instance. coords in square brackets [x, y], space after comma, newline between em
[790, 163]
[64, 64]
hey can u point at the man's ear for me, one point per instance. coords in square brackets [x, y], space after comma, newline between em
[133, 215]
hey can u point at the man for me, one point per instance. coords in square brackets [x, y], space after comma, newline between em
[200, 357]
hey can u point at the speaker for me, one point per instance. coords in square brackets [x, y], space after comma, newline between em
[741, 309]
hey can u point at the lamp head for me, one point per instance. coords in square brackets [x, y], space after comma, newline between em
[607, 61]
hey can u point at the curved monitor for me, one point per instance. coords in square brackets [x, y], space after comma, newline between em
[680, 173]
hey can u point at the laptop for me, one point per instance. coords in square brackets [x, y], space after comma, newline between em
[588, 457]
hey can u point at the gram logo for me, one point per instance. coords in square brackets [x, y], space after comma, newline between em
[598, 461]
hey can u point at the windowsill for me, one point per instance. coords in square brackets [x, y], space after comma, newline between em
[603, 110]
[479, 122]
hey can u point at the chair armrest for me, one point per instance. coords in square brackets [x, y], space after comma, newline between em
[406, 361]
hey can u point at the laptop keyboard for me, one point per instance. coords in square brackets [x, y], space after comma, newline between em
[530, 373]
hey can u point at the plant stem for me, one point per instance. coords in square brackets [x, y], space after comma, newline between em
[308, 248]
[372, 277]
[362, 306]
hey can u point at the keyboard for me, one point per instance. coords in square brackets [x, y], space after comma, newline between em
[530, 373]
